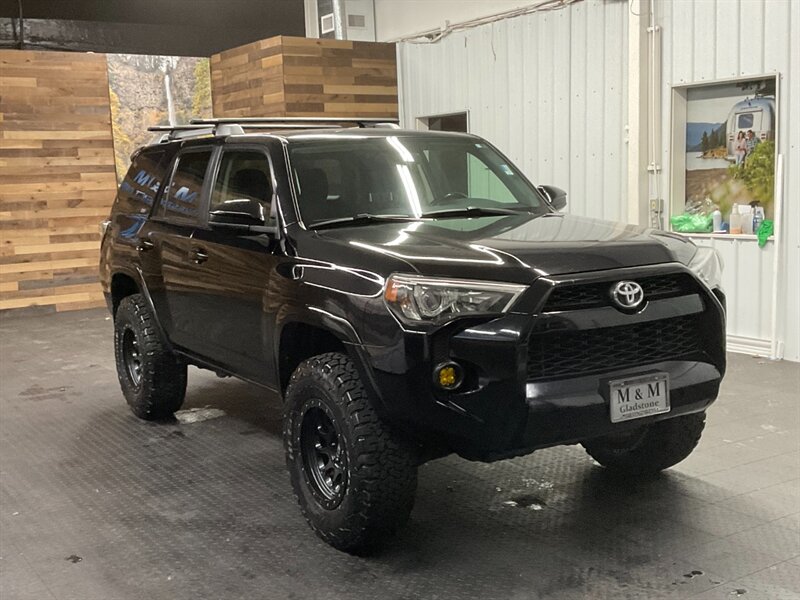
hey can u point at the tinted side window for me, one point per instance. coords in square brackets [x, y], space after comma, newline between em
[140, 186]
[182, 199]
[243, 174]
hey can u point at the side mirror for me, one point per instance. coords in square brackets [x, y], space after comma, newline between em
[241, 216]
[556, 196]
[239, 211]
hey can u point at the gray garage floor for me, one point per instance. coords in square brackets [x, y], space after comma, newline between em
[95, 504]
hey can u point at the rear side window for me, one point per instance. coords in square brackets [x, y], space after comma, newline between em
[145, 177]
[182, 200]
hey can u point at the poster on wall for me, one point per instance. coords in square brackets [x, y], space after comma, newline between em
[730, 153]
[147, 90]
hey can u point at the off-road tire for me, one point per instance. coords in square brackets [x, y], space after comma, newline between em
[161, 384]
[380, 469]
[652, 449]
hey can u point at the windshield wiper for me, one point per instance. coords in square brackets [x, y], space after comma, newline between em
[471, 211]
[359, 219]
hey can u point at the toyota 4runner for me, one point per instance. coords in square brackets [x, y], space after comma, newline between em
[409, 295]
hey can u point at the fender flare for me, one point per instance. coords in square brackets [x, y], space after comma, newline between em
[138, 278]
[344, 331]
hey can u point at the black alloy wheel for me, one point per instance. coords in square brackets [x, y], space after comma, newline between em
[131, 356]
[324, 456]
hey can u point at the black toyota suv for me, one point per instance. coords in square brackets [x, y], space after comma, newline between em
[409, 295]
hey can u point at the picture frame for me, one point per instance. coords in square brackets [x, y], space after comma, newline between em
[705, 172]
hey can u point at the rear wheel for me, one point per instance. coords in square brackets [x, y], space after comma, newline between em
[354, 479]
[649, 449]
[152, 378]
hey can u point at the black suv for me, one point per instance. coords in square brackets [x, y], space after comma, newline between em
[409, 295]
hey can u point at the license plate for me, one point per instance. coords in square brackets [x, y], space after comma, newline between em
[638, 397]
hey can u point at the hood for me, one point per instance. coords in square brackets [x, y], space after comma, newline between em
[513, 248]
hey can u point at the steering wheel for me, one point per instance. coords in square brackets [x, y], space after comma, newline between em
[450, 196]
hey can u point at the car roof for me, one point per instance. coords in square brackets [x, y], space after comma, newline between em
[294, 135]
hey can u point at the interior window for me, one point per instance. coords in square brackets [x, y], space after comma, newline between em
[183, 197]
[243, 175]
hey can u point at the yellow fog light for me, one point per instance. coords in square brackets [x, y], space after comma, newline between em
[448, 376]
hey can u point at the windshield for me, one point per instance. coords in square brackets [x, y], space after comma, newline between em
[411, 177]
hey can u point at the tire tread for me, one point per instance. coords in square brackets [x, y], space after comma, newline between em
[663, 445]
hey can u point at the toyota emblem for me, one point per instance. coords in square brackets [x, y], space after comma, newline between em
[627, 294]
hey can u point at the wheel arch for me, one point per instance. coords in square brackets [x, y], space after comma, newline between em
[122, 285]
[300, 340]
[125, 283]
[314, 331]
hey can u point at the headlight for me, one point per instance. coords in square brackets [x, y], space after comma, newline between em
[707, 265]
[414, 298]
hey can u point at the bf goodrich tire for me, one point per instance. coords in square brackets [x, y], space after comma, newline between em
[651, 449]
[152, 378]
[353, 478]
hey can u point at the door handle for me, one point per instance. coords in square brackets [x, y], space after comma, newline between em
[144, 246]
[199, 256]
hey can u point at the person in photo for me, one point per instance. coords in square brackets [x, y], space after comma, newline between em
[750, 143]
[740, 147]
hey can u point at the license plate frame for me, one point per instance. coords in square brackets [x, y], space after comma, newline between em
[651, 391]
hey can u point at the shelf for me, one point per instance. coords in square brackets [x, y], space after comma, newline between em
[726, 236]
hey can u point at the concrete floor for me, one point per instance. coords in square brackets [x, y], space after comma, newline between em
[95, 504]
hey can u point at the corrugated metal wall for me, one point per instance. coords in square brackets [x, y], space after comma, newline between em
[548, 89]
[703, 41]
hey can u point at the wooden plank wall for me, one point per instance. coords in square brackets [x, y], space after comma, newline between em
[57, 178]
[289, 76]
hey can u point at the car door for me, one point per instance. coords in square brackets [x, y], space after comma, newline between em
[236, 267]
[168, 242]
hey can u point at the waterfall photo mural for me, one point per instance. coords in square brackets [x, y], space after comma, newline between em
[147, 90]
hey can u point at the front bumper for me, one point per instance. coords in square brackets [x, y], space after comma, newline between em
[502, 410]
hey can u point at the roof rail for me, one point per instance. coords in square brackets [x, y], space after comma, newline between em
[193, 130]
[236, 126]
[297, 122]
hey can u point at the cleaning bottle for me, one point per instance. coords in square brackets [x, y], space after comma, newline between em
[735, 220]
[758, 218]
[747, 220]
[716, 218]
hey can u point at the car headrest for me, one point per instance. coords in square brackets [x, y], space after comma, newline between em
[251, 183]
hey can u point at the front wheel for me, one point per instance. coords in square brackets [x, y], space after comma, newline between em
[649, 449]
[354, 479]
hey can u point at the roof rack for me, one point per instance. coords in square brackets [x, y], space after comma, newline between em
[298, 122]
[236, 126]
[179, 132]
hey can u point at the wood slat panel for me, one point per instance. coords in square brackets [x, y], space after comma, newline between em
[287, 76]
[57, 179]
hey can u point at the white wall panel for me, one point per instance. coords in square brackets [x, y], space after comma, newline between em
[400, 18]
[547, 88]
[706, 41]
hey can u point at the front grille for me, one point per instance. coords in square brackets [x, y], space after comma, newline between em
[582, 352]
[578, 296]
